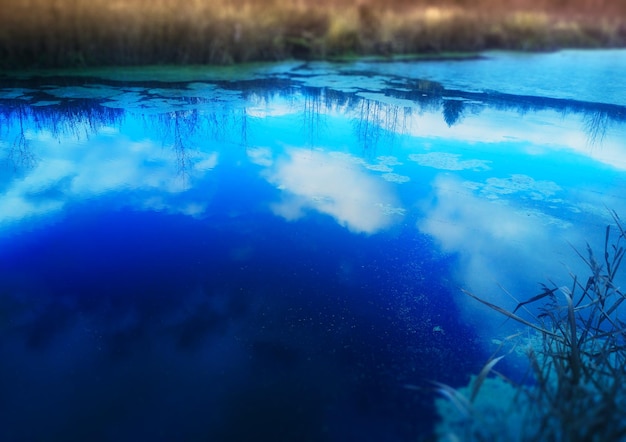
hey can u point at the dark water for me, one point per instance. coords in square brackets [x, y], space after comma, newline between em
[276, 252]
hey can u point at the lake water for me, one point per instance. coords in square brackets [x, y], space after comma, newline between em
[277, 252]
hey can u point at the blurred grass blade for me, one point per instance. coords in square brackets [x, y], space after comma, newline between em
[512, 316]
[457, 399]
[478, 382]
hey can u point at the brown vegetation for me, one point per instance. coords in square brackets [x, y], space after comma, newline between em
[53, 33]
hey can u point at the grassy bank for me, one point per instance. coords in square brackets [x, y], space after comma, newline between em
[56, 33]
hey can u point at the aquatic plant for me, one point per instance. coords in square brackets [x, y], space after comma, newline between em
[576, 349]
[77, 33]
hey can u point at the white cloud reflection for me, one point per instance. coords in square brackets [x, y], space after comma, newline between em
[335, 185]
[261, 156]
[15, 207]
[497, 243]
[68, 170]
[540, 131]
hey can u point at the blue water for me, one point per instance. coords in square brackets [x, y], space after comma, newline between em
[277, 252]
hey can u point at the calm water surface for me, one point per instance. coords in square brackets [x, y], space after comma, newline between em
[276, 252]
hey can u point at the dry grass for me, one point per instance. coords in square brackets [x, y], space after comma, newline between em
[52, 33]
[577, 359]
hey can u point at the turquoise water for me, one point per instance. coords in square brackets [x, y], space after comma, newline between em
[277, 252]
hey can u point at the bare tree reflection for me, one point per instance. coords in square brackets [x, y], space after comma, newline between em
[368, 124]
[380, 123]
[396, 119]
[193, 130]
[185, 125]
[313, 108]
[243, 127]
[20, 154]
[214, 120]
[77, 119]
[596, 124]
[178, 128]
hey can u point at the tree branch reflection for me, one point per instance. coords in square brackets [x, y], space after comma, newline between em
[188, 122]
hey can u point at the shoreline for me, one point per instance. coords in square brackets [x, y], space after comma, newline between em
[99, 33]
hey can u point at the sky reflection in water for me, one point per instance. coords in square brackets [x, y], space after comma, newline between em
[211, 249]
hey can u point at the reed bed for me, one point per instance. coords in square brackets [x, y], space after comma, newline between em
[62, 33]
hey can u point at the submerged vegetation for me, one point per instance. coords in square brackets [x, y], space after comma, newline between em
[62, 33]
[576, 348]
